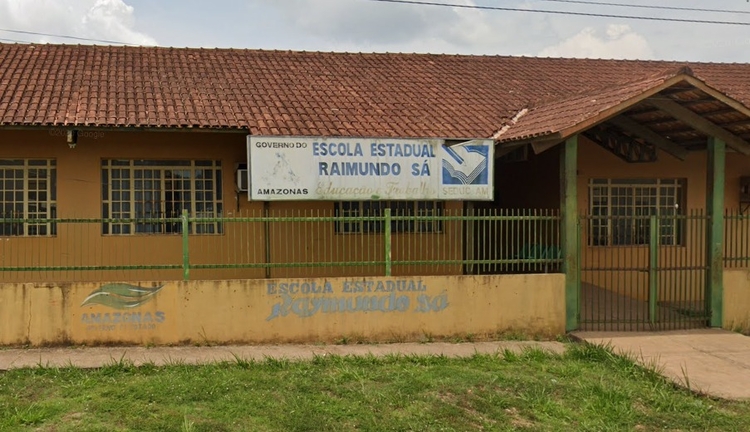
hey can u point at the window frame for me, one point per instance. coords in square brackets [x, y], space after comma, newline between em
[630, 202]
[160, 181]
[43, 205]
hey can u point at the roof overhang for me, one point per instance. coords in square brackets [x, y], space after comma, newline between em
[675, 113]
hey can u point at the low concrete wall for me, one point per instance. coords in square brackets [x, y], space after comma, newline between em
[737, 299]
[281, 310]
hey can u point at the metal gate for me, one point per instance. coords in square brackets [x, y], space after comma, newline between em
[643, 272]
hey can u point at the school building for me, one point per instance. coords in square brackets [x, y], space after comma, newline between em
[173, 195]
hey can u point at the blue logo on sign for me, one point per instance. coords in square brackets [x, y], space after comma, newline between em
[466, 165]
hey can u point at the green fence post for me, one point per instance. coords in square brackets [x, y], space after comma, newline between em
[653, 268]
[716, 177]
[569, 230]
[185, 246]
[387, 231]
[267, 235]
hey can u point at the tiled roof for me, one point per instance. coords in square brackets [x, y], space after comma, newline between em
[558, 115]
[308, 93]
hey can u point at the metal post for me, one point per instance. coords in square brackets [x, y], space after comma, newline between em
[185, 246]
[387, 231]
[715, 231]
[569, 230]
[267, 236]
[469, 246]
[653, 268]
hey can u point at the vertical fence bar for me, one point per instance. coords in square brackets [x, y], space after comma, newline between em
[728, 245]
[653, 269]
[744, 224]
[695, 258]
[484, 222]
[581, 259]
[684, 277]
[185, 246]
[387, 239]
[496, 228]
[469, 224]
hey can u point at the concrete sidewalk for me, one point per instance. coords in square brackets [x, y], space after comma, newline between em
[101, 356]
[712, 361]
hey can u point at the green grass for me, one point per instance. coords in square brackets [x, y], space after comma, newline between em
[586, 389]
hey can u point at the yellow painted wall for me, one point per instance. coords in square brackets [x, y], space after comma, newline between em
[283, 310]
[737, 299]
[79, 195]
[596, 162]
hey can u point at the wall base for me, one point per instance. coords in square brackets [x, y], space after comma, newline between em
[282, 310]
[737, 300]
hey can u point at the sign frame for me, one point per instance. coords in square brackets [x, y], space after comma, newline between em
[319, 168]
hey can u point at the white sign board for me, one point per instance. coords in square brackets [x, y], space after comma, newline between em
[363, 169]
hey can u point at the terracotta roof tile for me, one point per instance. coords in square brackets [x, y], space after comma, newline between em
[556, 116]
[312, 93]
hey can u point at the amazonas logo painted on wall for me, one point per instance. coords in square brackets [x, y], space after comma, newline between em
[122, 297]
[466, 165]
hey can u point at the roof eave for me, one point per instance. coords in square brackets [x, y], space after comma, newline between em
[621, 107]
[544, 138]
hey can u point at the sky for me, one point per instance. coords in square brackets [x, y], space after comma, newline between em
[373, 26]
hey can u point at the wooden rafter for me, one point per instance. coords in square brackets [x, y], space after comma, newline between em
[744, 122]
[701, 124]
[656, 122]
[648, 135]
[687, 103]
[623, 146]
[503, 150]
[678, 90]
[718, 112]
[540, 147]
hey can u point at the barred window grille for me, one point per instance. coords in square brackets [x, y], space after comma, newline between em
[150, 190]
[365, 209]
[620, 211]
[28, 197]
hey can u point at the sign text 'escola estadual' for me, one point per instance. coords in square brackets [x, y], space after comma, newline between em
[341, 169]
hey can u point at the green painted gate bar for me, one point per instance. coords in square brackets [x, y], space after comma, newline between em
[387, 240]
[715, 241]
[184, 219]
[653, 268]
[569, 230]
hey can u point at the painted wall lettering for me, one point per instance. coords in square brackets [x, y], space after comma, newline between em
[359, 296]
[299, 288]
[123, 321]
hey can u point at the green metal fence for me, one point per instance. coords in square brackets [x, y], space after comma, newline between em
[643, 272]
[281, 243]
[737, 240]
[516, 241]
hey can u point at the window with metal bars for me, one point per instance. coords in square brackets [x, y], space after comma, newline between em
[150, 191]
[621, 210]
[431, 210]
[28, 197]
